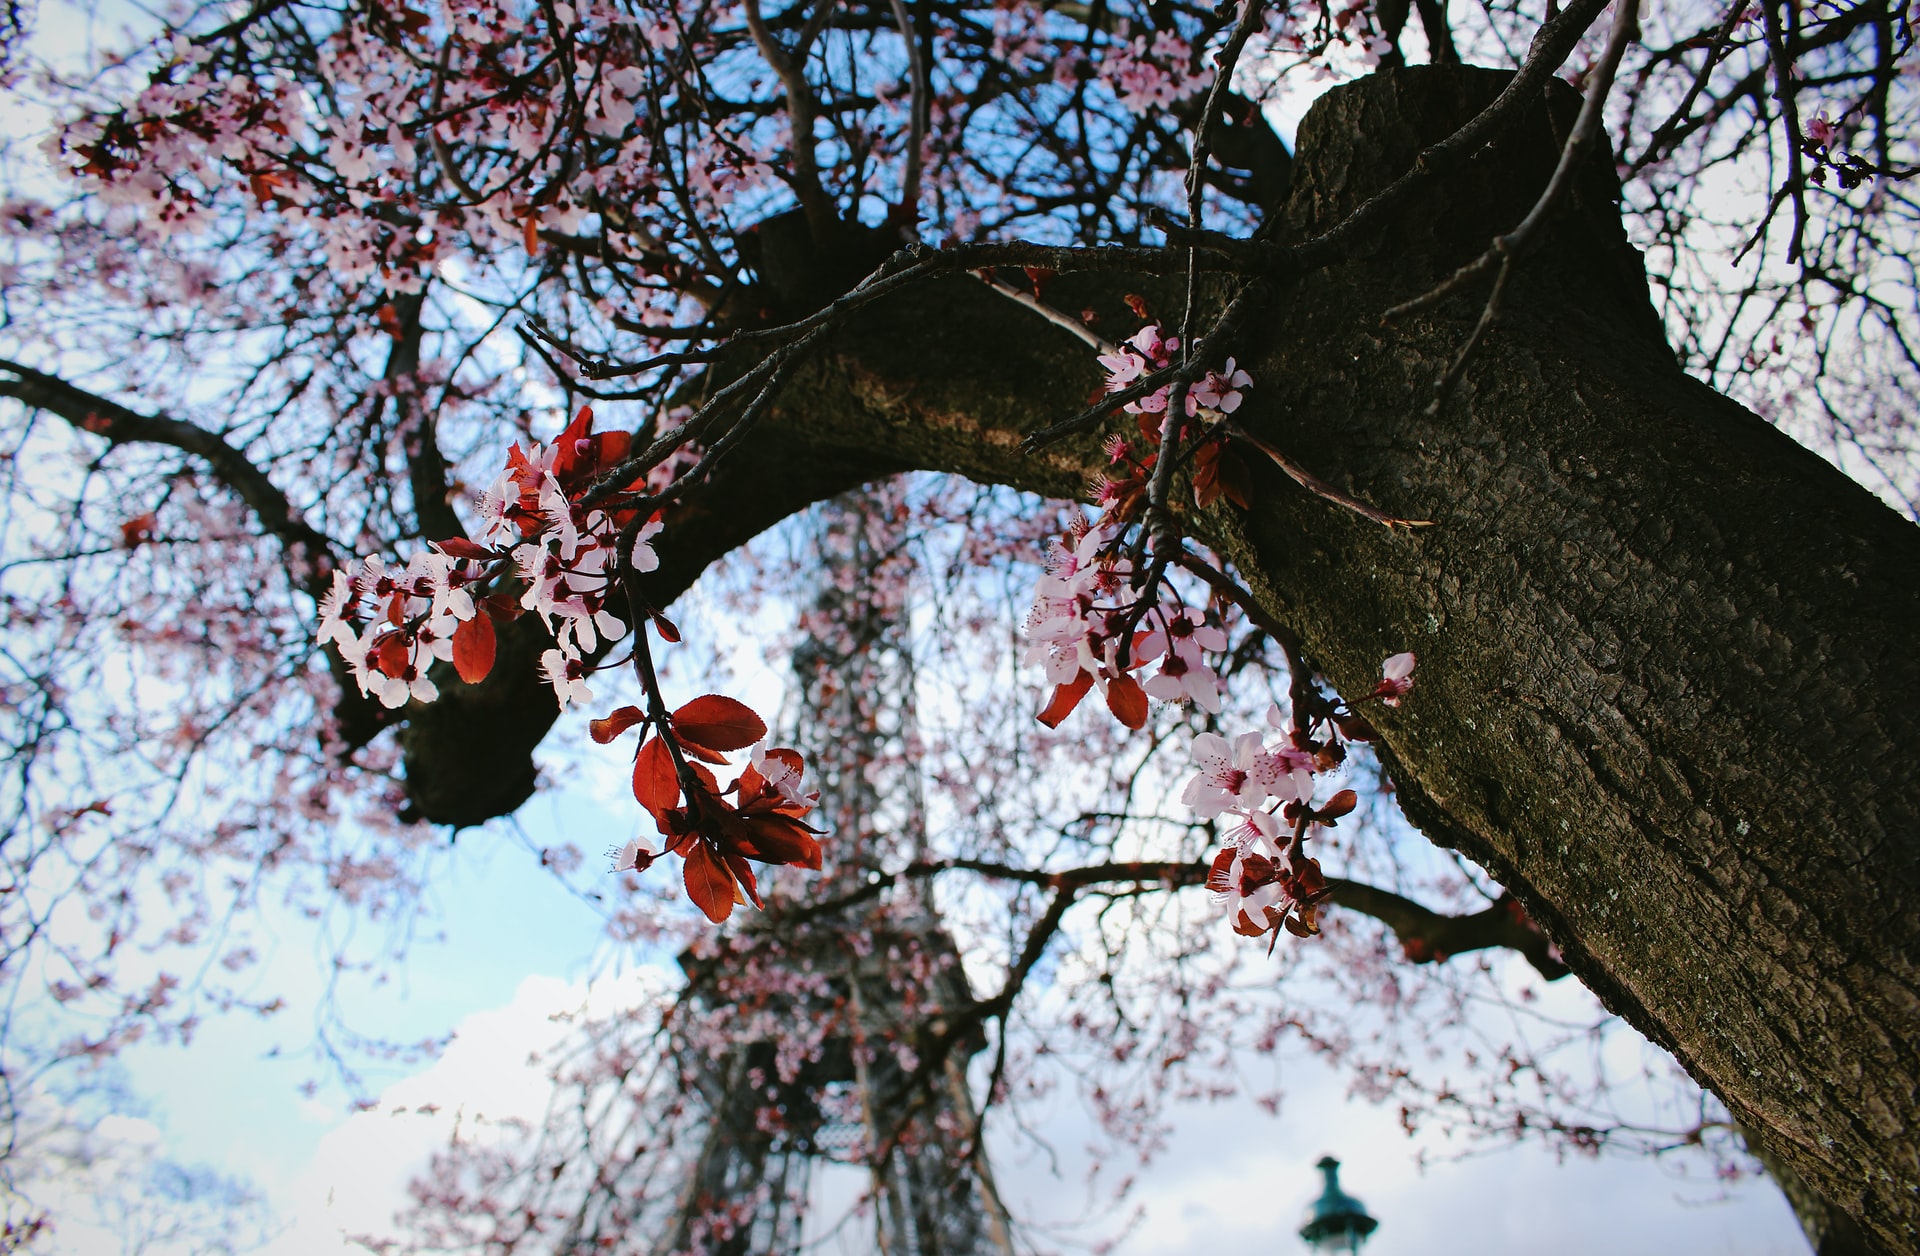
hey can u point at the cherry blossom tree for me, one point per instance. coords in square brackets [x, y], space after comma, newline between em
[384, 374]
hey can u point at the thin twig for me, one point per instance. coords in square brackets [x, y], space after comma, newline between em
[802, 109]
[1165, 536]
[1319, 487]
[1059, 318]
[1678, 118]
[1489, 313]
[919, 104]
[1785, 91]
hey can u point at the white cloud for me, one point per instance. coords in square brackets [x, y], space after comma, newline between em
[357, 1180]
[1232, 1178]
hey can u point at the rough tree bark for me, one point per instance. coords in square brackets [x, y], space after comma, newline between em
[1670, 660]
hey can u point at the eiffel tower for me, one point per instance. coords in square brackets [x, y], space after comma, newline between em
[849, 986]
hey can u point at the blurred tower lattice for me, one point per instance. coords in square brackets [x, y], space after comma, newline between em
[838, 1027]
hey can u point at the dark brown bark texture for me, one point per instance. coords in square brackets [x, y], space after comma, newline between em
[1669, 686]
[1829, 1231]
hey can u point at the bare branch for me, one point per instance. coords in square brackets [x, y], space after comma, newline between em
[920, 102]
[121, 426]
[1058, 318]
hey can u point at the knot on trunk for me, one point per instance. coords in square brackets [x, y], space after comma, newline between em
[799, 272]
[1362, 136]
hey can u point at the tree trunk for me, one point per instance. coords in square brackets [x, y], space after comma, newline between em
[1669, 660]
[1829, 1231]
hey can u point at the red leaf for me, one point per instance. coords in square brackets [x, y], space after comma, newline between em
[1235, 480]
[743, 877]
[1338, 805]
[578, 430]
[718, 723]
[611, 447]
[532, 228]
[654, 783]
[709, 884]
[669, 633]
[391, 656]
[138, 530]
[567, 446]
[1220, 875]
[473, 648]
[461, 547]
[1356, 727]
[1206, 475]
[612, 726]
[773, 838]
[1128, 701]
[502, 606]
[694, 750]
[1065, 698]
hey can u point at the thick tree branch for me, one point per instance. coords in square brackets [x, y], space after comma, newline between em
[312, 552]
[1431, 937]
[426, 465]
[802, 112]
[1426, 935]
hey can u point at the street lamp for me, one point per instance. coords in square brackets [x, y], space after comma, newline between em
[1336, 1222]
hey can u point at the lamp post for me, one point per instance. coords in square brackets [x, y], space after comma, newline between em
[1336, 1222]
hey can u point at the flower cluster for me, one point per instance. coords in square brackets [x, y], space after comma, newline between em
[538, 530]
[1088, 628]
[1263, 875]
[1265, 881]
[1090, 625]
[1217, 472]
[1151, 76]
[419, 613]
[716, 830]
[566, 551]
[1214, 395]
[535, 526]
[1095, 620]
[1821, 141]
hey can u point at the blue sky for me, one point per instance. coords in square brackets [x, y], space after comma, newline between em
[516, 948]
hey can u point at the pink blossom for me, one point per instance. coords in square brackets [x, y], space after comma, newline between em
[1255, 902]
[644, 559]
[1184, 674]
[1225, 781]
[1152, 345]
[334, 607]
[636, 856]
[783, 777]
[1218, 392]
[567, 677]
[1122, 368]
[1396, 679]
